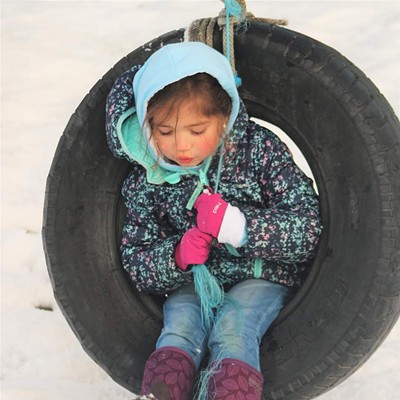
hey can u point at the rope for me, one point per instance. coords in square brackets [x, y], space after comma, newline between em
[209, 291]
[234, 14]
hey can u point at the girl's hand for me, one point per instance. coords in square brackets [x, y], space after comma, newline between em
[194, 248]
[210, 213]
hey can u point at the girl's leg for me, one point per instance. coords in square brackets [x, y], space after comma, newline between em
[183, 326]
[170, 371]
[249, 310]
[234, 342]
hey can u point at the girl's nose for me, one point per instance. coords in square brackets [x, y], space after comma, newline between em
[182, 142]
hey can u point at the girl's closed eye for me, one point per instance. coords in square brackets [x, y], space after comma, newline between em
[165, 132]
[197, 131]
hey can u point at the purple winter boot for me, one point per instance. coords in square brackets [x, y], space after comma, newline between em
[235, 380]
[169, 375]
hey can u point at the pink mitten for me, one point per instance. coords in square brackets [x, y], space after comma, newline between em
[193, 248]
[210, 213]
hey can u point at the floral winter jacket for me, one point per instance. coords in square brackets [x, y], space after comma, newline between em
[258, 176]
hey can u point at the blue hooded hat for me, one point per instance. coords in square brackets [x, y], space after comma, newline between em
[168, 65]
[177, 61]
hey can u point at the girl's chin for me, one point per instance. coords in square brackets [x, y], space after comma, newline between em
[189, 162]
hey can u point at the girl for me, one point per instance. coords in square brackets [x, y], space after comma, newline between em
[207, 186]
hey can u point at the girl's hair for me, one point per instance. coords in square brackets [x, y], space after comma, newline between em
[209, 96]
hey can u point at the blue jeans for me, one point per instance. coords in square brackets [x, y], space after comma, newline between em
[242, 321]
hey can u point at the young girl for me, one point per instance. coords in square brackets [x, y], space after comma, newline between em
[207, 186]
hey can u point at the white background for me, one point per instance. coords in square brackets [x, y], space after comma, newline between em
[53, 52]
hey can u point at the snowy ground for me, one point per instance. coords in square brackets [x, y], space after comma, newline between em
[52, 54]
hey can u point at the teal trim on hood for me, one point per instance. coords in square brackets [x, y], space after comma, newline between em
[134, 144]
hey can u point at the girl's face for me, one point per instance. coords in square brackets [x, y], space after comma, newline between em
[187, 136]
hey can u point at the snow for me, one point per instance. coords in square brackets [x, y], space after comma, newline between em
[52, 54]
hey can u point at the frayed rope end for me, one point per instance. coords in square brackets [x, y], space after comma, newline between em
[209, 291]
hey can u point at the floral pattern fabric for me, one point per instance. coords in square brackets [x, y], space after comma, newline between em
[258, 176]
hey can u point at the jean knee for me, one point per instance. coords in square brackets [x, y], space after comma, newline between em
[183, 327]
[249, 310]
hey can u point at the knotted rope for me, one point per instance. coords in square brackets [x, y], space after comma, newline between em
[234, 14]
[209, 290]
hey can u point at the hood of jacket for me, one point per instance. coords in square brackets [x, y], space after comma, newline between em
[131, 137]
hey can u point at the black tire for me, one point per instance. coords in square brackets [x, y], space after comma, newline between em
[349, 136]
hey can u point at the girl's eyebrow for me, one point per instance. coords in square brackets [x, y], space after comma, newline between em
[197, 124]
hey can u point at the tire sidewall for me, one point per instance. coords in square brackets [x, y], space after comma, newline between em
[301, 86]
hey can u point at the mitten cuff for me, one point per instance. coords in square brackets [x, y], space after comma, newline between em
[233, 227]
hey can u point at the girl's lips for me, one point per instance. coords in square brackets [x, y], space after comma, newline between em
[185, 160]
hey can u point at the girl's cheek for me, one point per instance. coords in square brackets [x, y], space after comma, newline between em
[208, 145]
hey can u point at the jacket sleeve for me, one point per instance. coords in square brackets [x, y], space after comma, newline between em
[148, 242]
[119, 100]
[288, 228]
